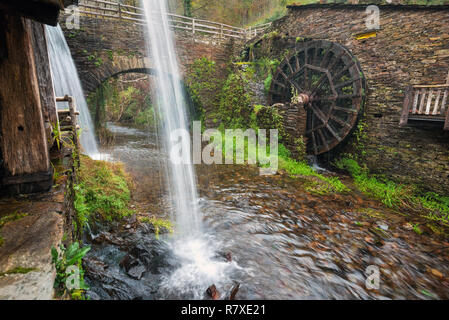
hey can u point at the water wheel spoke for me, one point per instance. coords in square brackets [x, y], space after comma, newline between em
[318, 113]
[327, 98]
[339, 121]
[290, 66]
[279, 84]
[338, 76]
[293, 83]
[345, 109]
[326, 146]
[319, 83]
[326, 55]
[347, 82]
[336, 136]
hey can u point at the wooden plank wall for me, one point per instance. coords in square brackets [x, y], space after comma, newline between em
[23, 139]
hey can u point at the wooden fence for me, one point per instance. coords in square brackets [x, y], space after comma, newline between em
[115, 10]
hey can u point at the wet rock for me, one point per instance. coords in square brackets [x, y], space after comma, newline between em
[133, 267]
[137, 271]
[106, 237]
[213, 293]
[234, 291]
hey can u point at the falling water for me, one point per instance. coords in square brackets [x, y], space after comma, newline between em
[172, 108]
[192, 245]
[67, 82]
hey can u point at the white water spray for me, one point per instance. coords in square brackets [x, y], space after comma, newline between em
[66, 82]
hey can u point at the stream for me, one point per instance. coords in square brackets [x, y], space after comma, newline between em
[283, 242]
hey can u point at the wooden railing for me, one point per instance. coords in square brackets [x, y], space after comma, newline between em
[68, 118]
[115, 10]
[426, 103]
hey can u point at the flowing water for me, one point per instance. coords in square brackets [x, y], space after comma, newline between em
[285, 243]
[66, 82]
[195, 248]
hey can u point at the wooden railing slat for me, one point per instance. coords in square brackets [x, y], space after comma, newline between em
[443, 104]
[429, 102]
[437, 101]
[421, 105]
[415, 101]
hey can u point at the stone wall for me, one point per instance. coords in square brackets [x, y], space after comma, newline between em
[411, 47]
[102, 48]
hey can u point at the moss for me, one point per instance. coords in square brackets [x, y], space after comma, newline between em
[16, 215]
[160, 225]
[204, 85]
[18, 270]
[235, 101]
[102, 192]
[2, 241]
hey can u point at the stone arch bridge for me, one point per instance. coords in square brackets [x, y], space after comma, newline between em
[107, 45]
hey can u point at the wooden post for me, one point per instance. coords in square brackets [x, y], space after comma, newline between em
[221, 31]
[119, 11]
[22, 139]
[446, 122]
[73, 116]
[193, 26]
[406, 106]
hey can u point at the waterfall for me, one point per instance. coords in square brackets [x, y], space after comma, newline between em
[172, 109]
[66, 82]
[196, 249]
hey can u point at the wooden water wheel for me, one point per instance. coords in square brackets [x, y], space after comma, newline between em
[327, 79]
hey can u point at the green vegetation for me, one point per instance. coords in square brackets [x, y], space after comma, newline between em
[203, 85]
[126, 99]
[322, 185]
[18, 270]
[160, 225]
[395, 195]
[1, 241]
[63, 260]
[235, 107]
[102, 192]
[16, 215]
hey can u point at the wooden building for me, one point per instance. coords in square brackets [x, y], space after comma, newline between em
[27, 101]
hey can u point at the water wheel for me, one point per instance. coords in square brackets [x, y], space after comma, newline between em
[329, 82]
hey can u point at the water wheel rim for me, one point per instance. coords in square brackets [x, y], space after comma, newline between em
[331, 76]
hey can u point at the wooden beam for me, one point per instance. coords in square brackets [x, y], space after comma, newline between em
[22, 139]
